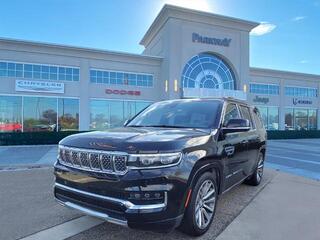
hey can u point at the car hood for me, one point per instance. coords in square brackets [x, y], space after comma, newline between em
[138, 139]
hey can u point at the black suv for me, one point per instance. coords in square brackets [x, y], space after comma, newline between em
[166, 167]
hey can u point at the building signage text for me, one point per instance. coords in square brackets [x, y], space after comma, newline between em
[39, 86]
[123, 92]
[225, 42]
[297, 101]
[263, 100]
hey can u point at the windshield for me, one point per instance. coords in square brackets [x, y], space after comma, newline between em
[182, 113]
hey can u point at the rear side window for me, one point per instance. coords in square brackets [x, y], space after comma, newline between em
[257, 118]
[245, 112]
[231, 113]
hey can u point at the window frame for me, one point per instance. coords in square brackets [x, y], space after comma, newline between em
[225, 110]
[31, 73]
[269, 91]
[127, 79]
[252, 125]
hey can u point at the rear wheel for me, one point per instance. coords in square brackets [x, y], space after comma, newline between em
[201, 208]
[256, 177]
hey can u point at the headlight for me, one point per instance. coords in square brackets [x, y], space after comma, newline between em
[140, 161]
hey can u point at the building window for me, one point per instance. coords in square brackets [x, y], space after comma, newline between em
[106, 114]
[10, 114]
[231, 113]
[39, 114]
[121, 78]
[301, 92]
[270, 117]
[300, 119]
[267, 89]
[208, 71]
[68, 114]
[38, 72]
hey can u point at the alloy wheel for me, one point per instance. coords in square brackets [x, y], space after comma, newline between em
[260, 168]
[205, 204]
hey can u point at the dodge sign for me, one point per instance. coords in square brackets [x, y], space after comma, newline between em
[123, 92]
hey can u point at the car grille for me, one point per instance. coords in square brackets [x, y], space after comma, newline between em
[92, 160]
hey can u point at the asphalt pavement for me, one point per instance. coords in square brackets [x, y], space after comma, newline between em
[297, 156]
[27, 204]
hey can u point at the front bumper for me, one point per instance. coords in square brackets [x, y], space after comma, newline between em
[103, 196]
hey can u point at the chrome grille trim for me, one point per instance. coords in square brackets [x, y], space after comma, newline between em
[112, 162]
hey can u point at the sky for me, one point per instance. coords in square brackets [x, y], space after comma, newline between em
[288, 37]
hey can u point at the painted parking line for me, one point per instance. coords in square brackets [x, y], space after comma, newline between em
[65, 230]
[50, 157]
[294, 159]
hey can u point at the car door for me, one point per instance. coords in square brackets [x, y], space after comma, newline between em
[235, 148]
[252, 141]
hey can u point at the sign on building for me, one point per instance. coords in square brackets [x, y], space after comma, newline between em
[39, 86]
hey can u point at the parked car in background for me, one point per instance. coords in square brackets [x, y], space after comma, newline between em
[10, 127]
[166, 167]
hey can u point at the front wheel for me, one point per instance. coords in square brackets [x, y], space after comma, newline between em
[201, 209]
[256, 177]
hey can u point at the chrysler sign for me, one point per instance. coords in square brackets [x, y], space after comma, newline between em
[123, 92]
[225, 42]
[39, 86]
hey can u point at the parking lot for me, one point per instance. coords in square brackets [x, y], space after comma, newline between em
[296, 156]
[29, 211]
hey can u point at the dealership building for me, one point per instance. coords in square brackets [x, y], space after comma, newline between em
[51, 87]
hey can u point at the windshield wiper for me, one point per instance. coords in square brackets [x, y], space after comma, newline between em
[136, 126]
[163, 126]
[167, 126]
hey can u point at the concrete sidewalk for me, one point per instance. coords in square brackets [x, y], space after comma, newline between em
[287, 208]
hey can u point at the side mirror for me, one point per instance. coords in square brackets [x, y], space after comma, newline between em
[237, 125]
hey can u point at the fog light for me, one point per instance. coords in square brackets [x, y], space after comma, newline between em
[137, 196]
[146, 196]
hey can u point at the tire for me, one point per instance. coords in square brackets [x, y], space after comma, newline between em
[256, 177]
[191, 224]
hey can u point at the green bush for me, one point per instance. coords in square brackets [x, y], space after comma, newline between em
[33, 138]
[281, 134]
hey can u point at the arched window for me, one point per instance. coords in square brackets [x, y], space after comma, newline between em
[208, 71]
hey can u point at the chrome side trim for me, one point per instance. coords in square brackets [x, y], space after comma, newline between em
[93, 213]
[131, 208]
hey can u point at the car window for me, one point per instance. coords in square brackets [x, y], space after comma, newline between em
[245, 112]
[231, 113]
[257, 118]
[182, 113]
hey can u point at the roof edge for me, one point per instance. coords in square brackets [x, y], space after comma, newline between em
[164, 15]
[76, 48]
[283, 72]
